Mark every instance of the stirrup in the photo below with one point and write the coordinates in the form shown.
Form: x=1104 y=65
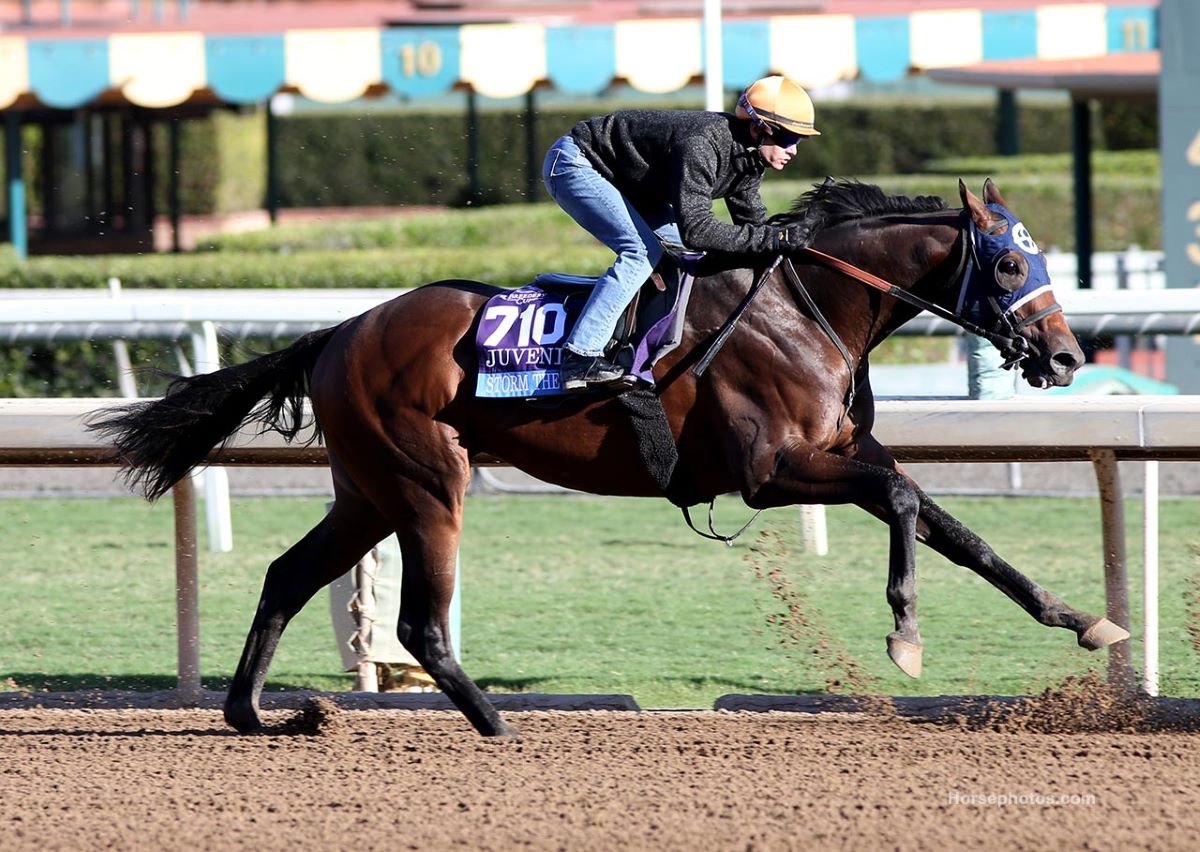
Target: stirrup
x=580 y=372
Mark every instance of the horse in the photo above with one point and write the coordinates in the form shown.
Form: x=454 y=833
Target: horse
x=782 y=415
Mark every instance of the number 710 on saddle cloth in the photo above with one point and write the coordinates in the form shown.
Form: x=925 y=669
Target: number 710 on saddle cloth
x=520 y=342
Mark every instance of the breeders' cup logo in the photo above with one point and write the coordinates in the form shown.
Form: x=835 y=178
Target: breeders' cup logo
x=1020 y=235
x=523 y=296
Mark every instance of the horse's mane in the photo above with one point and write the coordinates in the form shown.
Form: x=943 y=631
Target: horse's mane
x=836 y=201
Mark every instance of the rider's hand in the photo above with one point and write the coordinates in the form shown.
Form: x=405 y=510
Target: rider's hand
x=794 y=237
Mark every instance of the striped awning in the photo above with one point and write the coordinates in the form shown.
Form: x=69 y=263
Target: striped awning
x=162 y=69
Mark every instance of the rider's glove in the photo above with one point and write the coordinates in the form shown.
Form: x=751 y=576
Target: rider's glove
x=794 y=237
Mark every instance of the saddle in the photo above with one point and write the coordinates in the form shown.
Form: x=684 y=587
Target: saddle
x=520 y=334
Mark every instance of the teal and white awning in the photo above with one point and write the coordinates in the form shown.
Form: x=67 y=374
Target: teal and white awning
x=162 y=69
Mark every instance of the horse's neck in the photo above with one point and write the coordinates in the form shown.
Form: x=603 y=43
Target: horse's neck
x=860 y=316
x=917 y=254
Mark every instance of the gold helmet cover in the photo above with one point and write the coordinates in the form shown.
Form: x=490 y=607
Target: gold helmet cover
x=780 y=102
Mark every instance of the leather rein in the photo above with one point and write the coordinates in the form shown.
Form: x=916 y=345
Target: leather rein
x=1012 y=344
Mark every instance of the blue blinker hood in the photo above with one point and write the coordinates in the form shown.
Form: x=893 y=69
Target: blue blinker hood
x=982 y=300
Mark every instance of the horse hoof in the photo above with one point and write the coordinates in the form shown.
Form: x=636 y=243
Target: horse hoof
x=244 y=720
x=1102 y=634
x=905 y=654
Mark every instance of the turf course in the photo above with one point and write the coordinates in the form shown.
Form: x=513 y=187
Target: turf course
x=586 y=594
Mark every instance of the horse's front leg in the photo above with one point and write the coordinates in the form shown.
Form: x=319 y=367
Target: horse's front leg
x=808 y=476
x=944 y=533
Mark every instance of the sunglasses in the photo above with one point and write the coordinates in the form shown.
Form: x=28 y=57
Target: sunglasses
x=785 y=138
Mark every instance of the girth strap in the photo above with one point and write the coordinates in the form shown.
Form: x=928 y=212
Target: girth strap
x=656 y=444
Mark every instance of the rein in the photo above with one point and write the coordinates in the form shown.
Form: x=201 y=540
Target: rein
x=889 y=289
x=798 y=289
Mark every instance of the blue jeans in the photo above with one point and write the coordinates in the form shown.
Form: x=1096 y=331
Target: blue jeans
x=985 y=378
x=602 y=211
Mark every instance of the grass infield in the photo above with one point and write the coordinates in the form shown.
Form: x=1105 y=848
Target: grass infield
x=581 y=594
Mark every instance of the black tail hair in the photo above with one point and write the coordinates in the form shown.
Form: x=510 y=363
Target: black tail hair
x=158 y=442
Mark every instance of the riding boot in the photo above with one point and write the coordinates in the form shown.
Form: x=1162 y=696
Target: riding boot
x=579 y=372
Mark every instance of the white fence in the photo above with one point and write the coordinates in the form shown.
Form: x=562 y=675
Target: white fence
x=1102 y=430
x=200 y=315
x=1132 y=269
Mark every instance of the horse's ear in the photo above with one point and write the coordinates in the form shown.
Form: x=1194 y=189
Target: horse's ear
x=991 y=195
x=979 y=212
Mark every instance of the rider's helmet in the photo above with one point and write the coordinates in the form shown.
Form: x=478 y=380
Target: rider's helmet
x=779 y=104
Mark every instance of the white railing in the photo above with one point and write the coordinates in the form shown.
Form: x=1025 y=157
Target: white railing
x=201 y=316
x=1133 y=269
x=1100 y=429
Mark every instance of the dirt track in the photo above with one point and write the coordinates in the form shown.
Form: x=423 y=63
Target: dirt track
x=154 y=779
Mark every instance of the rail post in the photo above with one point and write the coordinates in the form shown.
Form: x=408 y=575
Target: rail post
x=1116 y=575
x=1150 y=578
x=187 y=592
x=814 y=536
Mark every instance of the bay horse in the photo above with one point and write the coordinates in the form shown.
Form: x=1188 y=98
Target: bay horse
x=782 y=417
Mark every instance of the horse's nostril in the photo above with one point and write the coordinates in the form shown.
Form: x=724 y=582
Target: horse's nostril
x=1066 y=361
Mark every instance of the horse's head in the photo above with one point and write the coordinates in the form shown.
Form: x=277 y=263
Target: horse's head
x=1006 y=289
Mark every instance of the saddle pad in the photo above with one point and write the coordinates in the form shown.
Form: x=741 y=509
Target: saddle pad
x=520 y=342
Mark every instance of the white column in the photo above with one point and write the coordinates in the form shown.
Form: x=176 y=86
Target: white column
x=125 y=379
x=1150 y=578
x=813 y=535
x=206 y=358
x=187 y=593
x=714 y=71
x=1116 y=575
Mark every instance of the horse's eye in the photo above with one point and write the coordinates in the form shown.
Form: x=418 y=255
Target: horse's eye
x=1009 y=267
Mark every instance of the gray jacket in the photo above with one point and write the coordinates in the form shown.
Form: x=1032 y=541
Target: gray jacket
x=686 y=160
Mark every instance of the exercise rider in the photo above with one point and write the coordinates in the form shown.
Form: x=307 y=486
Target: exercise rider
x=635 y=177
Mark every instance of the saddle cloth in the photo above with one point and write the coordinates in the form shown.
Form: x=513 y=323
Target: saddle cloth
x=521 y=331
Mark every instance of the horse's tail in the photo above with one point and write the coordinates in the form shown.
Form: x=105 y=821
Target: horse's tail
x=158 y=442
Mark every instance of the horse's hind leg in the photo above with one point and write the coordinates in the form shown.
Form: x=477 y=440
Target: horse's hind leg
x=429 y=529
x=329 y=550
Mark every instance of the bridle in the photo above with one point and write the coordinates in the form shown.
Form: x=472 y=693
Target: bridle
x=1005 y=333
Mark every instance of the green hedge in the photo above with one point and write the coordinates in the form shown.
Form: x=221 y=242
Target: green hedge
x=1127 y=209
x=224 y=163
x=1039 y=188
x=1132 y=164
x=407 y=159
x=410 y=158
x=507 y=244
x=407 y=267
